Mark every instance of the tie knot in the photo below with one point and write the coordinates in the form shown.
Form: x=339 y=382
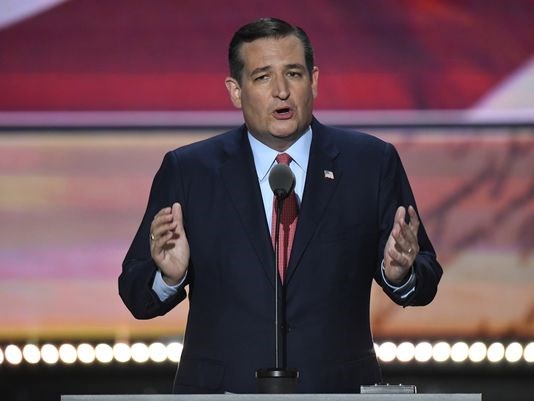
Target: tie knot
x=283 y=158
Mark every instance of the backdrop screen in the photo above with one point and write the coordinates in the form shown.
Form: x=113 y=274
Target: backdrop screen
x=70 y=203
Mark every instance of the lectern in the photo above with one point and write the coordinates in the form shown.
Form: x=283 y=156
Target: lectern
x=276 y=397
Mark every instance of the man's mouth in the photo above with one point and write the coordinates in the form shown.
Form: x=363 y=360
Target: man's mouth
x=283 y=113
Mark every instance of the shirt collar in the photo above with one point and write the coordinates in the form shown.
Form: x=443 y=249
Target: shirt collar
x=264 y=156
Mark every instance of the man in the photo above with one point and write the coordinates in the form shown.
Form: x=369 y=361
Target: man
x=208 y=224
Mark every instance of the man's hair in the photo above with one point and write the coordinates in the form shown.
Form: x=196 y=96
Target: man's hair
x=265 y=28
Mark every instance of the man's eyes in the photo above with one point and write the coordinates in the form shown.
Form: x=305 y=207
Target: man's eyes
x=290 y=74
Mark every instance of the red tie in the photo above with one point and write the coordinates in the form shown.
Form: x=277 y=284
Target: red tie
x=288 y=223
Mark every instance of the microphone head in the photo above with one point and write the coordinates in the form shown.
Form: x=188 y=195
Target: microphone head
x=281 y=180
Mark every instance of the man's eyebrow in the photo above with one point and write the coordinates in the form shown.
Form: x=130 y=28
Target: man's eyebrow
x=295 y=66
x=260 y=70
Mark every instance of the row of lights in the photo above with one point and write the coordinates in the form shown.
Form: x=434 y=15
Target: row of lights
x=159 y=352
x=458 y=352
x=87 y=353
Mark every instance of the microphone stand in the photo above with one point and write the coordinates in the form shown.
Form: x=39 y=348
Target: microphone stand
x=277 y=323
x=277 y=380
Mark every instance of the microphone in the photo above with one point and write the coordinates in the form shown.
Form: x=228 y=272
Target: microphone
x=281 y=180
x=279 y=379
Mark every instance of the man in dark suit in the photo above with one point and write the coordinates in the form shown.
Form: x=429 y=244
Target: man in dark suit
x=208 y=222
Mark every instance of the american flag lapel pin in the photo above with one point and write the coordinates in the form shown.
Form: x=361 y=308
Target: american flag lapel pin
x=328 y=174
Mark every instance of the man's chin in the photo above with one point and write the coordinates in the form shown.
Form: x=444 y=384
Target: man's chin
x=285 y=131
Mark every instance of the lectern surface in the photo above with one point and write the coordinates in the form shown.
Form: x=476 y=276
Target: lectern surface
x=276 y=397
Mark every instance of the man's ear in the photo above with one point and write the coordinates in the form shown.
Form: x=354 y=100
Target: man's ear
x=234 y=90
x=315 y=81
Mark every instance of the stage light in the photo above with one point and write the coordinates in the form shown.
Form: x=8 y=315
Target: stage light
x=387 y=351
x=174 y=351
x=495 y=352
x=513 y=352
x=157 y=352
x=13 y=354
x=67 y=353
x=405 y=352
x=86 y=353
x=49 y=354
x=459 y=352
x=122 y=352
x=31 y=353
x=477 y=352
x=103 y=353
x=441 y=351
x=140 y=352
x=1 y=356
x=528 y=352
x=423 y=352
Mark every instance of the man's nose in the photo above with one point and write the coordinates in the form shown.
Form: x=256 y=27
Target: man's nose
x=280 y=88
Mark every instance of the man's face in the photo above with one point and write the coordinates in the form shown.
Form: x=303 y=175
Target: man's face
x=276 y=92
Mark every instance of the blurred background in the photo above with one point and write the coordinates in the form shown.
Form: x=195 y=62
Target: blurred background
x=93 y=93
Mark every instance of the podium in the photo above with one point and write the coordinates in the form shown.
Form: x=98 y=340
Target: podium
x=275 y=397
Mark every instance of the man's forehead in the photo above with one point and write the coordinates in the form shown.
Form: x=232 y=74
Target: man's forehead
x=259 y=53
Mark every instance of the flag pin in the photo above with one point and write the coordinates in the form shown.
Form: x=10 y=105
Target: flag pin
x=328 y=174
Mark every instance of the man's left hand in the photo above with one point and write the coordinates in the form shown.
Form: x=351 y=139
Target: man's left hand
x=402 y=246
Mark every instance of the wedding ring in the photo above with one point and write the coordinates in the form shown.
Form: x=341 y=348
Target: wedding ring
x=152 y=238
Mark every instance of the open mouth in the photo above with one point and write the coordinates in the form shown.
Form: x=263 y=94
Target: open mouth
x=283 y=113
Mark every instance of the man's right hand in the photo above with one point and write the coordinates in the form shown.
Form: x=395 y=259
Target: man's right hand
x=169 y=247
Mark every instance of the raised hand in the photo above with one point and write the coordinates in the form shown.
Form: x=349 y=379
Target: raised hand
x=402 y=246
x=169 y=247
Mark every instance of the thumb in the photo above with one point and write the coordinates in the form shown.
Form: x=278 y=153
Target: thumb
x=177 y=216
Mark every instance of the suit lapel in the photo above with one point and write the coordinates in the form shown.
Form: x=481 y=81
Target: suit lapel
x=240 y=178
x=321 y=181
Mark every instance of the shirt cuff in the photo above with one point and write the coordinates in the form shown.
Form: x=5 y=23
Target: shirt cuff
x=163 y=290
x=405 y=290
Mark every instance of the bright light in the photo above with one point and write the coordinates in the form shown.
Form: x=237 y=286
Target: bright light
x=1 y=357
x=49 y=354
x=477 y=352
x=174 y=351
x=459 y=352
x=495 y=352
x=423 y=352
x=405 y=352
x=140 y=352
x=157 y=352
x=441 y=351
x=13 y=354
x=528 y=353
x=86 y=353
x=513 y=353
x=121 y=352
x=387 y=351
x=104 y=353
x=31 y=353
x=67 y=353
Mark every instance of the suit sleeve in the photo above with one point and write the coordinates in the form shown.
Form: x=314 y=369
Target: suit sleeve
x=138 y=268
x=395 y=191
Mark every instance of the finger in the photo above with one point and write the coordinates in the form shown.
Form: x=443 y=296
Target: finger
x=414 y=220
x=177 y=217
x=162 y=212
x=400 y=214
x=399 y=259
x=406 y=247
x=402 y=240
x=164 y=228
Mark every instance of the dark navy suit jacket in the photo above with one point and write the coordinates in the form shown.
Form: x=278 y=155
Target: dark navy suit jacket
x=342 y=229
